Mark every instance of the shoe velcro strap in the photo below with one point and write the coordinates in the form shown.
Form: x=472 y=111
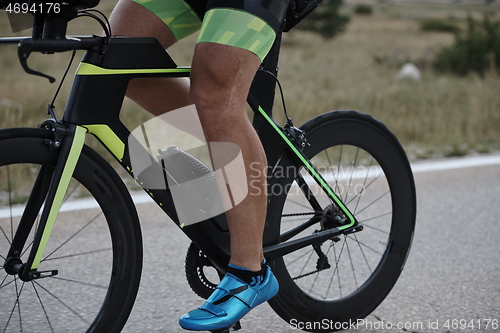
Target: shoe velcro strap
x=241 y=291
x=213 y=309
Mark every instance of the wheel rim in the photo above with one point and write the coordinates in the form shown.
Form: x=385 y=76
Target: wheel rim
x=80 y=248
x=360 y=182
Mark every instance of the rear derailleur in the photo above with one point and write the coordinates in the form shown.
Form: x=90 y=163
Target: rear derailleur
x=331 y=218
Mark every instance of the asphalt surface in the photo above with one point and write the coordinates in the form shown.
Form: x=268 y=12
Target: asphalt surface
x=450 y=282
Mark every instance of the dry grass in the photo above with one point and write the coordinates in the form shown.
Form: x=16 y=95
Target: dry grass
x=437 y=115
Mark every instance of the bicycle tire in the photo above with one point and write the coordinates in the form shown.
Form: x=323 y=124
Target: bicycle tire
x=99 y=258
x=364 y=266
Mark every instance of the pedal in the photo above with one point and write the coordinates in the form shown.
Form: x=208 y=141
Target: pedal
x=235 y=327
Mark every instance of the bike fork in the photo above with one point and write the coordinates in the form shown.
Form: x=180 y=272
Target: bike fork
x=50 y=186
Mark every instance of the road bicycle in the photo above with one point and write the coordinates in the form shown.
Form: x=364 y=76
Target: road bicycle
x=341 y=200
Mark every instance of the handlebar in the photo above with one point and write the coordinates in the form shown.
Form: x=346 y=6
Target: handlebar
x=49 y=33
x=27 y=45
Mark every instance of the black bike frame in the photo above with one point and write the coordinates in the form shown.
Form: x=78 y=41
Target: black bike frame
x=95 y=103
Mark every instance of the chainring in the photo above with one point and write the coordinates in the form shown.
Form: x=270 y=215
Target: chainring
x=196 y=266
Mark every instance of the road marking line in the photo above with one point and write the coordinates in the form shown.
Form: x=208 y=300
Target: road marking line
x=457 y=163
x=141 y=198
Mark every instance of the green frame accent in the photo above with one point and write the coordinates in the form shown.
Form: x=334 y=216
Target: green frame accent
x=311 y=171
x=89 y=69
x=108 y=138
x=69 y=168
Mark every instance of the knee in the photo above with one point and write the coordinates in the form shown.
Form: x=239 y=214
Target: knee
x=215 y=104
x=209 y=91
x=218 y=115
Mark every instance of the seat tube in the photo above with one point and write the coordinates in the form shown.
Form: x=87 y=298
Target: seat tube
x=71 y=148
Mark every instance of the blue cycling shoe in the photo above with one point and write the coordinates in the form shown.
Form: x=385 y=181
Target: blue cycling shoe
x=231 y=300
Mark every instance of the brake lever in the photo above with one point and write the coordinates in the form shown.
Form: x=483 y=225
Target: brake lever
x=24 y=50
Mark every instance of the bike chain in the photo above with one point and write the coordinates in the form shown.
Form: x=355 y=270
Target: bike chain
x=310 y=273
x=300 y=214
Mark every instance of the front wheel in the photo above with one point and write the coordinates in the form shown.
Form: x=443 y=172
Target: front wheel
x=325 y=286
x=95 y=245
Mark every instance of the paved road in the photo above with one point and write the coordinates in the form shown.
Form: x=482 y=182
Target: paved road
x=452 y=272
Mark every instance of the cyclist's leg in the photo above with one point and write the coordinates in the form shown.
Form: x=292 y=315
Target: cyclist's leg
x=129 y=18
x=220 y=80
x=234 y=39
x=229 y=51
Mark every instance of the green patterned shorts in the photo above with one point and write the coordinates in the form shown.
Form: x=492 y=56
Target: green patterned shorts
x=223 y=25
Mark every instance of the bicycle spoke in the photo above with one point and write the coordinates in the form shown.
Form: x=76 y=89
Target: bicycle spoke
x=80 y=254
x=374 y=201
x=366 y=246
x=27 y=248
x=16 y=305
x=2 y=285
x=336 y=271
x=307 y=261
x=300 y=204
x=317 y=274
x=6 y=237
x=352 y=265
x=299 y=257
x=74 y=235
x=372 y=227
x=363 y=187
x=18 y=301
x=352 y=172
x=374 y=218
x=8 y=283
x=80 y=282
x=43 y=307
x=69 y=193
x=338 y=169
x=306 y=191
x=363 y=253
x=63 y=303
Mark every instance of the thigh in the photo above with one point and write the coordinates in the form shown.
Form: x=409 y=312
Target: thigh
x=166 y=20
x=235 y=37
x=221 y=76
